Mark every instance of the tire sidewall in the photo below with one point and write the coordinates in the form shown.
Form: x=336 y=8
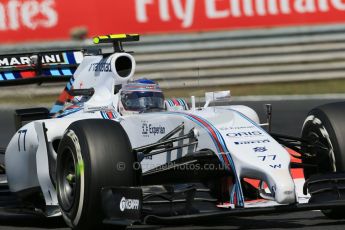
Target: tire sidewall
x=317 y=123
x=98 y=145
x=327 y=122
x=71 y=140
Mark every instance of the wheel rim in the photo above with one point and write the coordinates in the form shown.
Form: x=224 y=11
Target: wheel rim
x=320 y=135
x=67 y=180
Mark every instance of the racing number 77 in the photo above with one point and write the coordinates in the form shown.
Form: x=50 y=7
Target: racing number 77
x=19 y=139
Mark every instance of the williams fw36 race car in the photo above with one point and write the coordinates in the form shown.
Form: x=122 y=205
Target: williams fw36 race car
x=114 y=151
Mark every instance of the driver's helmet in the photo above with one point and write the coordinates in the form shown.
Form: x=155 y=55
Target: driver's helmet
x=141 y=96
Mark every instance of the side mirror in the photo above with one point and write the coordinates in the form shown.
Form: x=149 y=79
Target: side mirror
x=220 y=96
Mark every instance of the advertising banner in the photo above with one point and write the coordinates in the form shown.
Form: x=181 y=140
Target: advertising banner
x=36 y=20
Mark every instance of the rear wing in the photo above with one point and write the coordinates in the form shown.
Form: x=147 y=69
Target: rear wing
x=28 y=68
x=116 y=40
x=55 y=66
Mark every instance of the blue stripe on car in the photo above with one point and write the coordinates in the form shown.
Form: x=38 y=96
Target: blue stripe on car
x=55 y=72
x=70 y=57
x=9 y=76
x=56 y=108
x=67 y=72
x=238 y=189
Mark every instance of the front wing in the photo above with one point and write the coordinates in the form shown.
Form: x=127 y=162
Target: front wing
x=189 y=204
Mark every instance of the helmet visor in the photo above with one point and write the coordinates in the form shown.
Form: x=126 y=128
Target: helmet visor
x=141 y=101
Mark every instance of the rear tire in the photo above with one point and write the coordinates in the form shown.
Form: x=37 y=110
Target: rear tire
x=87 y=161
x=327 y=125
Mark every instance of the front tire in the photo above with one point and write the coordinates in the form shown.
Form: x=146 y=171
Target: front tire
x=326 y=125
x=88 y=158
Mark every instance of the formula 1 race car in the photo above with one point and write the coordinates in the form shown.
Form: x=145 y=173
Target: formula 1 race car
x=115 y=151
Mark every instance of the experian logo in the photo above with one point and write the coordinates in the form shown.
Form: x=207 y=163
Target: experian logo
x=129 y=204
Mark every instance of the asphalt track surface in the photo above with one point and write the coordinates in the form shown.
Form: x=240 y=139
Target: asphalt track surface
x=287 y=118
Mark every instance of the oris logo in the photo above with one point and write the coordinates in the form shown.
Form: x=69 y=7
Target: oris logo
x=245 y=134
x=129 y=204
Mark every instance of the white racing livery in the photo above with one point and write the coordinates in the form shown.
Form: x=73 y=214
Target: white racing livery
x=116 y=149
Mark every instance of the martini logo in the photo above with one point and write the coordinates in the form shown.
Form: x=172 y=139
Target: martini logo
x=14 y=61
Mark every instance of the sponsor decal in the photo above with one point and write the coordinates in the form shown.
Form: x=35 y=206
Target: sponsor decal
x=252 y=142
x=244 y=134
x=236 y=128
x=25 y=20
x=99 y=108
x=129 y=204
x=16 y=15
x=25 y=60
x=15 y=61
x=148 y=129
x=100 y=67
x=188 y=13
x=54 y=58
x=260 y=149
